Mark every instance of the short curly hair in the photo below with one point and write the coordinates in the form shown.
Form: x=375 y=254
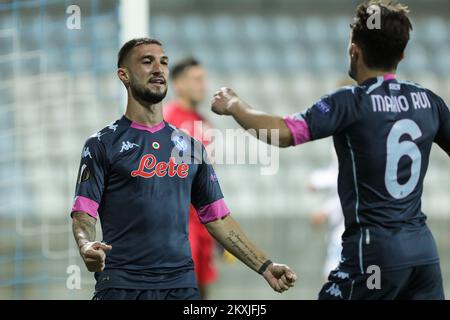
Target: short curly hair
x=382 y=48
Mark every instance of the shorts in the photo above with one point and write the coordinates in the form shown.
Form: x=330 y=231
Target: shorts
x=153 y=294
x=413 y=283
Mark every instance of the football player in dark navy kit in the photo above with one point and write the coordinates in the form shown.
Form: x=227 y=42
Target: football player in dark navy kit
x=383 y=129
x=138 y=176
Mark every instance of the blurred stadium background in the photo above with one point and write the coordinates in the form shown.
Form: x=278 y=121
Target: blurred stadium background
x=58 y=86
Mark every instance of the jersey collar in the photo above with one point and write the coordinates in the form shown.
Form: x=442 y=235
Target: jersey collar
x=144 y=127
x=379 y=79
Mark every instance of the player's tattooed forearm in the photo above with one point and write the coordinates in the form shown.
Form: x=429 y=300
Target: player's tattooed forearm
x=244 y=250
x=83 y=228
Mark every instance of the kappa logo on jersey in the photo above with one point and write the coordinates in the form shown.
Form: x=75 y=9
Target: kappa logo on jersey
x=334 y=290
x=86 y=153
x=113 y=127
x=323 y=106
x=341 y=275
x=99 y=135
x=149 y=167
x=213 y=177
x=127 y=145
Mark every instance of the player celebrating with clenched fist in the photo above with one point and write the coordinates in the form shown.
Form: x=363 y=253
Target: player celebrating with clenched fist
x=138 y=176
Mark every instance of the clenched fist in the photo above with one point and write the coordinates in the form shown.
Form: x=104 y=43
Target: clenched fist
x=224 y=101
x=280 y=277
x=94 y=255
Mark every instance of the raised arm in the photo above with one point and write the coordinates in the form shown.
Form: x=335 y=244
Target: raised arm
x=228 y=233
x=93 y=252
x=227 y=102
x=443 y=135
x=329 y=116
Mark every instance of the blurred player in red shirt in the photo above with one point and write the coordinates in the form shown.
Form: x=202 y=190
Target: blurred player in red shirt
x=189 y=82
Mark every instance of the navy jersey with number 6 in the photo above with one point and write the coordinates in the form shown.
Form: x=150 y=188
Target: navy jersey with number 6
x=140 y=181
x=383 y=131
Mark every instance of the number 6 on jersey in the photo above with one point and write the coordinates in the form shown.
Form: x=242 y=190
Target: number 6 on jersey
x=395 y=151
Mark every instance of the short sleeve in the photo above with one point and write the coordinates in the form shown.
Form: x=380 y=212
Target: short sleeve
x=206 y=195
x=443 y=135
x=91 y=178
x=329 y=116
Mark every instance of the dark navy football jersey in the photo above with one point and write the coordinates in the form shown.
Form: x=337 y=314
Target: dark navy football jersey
x=140 y=181
x=383 y=131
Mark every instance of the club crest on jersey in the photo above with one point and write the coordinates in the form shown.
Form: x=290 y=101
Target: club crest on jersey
x=180 y=143
x=149 y=167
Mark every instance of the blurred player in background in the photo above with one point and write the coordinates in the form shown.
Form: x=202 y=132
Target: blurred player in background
x=325 y=180
x=139 y=175
x=189 y=81
x=383 y=131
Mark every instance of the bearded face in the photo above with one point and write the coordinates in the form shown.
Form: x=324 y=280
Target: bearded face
x=151 y=91
x=145 y=73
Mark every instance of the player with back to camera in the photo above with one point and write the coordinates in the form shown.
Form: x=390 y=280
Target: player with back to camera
x=138 y=176
x=383 y=129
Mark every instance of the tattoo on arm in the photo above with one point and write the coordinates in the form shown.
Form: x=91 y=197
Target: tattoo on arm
x=83 y=226
x=246 y=253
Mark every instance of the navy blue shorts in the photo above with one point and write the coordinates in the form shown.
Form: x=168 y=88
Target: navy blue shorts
x=154 y=294
x=415 y=283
